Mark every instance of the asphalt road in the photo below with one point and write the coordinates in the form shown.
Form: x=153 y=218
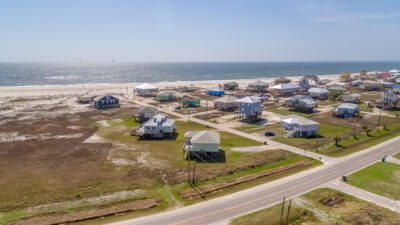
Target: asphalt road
x=225 y=208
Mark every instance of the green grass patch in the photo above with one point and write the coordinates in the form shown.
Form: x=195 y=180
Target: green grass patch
x=345 y=146
x=311 y=209
x=363 y=107
x=379 y=178
x=287 y=112
x=397 y=156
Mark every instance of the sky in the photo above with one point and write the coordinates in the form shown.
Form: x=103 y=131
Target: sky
x=188 y=30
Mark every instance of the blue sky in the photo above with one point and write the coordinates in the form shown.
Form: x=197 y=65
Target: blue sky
x=215 y=30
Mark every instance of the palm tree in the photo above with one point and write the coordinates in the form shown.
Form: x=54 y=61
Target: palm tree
x=337 y=138
x=367 y=129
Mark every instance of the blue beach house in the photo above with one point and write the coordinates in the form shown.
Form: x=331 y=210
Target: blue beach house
x=249 y=107
x=106 y=102
x=216 y=92
x=346 y=110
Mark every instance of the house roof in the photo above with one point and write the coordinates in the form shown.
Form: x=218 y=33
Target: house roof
x=354 y=95
x=258 y=83
x=286 y=86
x=318 y=90
x=347 y=106
x=303 y=99
x=160 y=120
x=227 y=99
x=146 y=86
x=295 y=119
x=104 y=97
x=249 y=99
x=147 y=109
x=203 y=137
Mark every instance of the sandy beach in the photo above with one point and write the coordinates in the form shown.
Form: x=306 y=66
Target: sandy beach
x=123 y=89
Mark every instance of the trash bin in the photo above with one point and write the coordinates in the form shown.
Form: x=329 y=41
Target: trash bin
x=383 y=159
x=344 y=178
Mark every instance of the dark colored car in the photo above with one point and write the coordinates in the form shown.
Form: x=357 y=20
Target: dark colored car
x=269 y=133
x=178 y=107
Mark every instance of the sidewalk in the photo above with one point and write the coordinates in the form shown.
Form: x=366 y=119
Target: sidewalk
x=393 y=160
x=365 y=195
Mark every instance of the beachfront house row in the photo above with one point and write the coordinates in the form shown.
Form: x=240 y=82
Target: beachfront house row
x=301 y=103
x=145 y=113
x=106 y=102
x=346 y=110
x=318 y=93
x=226 y=103
x=249 y=107
x=286 y=89
x=146 y=89
x=165 y=96
x=258 y=86
x=298 y=126
x=160 y=126
x=352 y=98
x=202 y=144
x=231 y=86
x=390 y=98
x=215 y=92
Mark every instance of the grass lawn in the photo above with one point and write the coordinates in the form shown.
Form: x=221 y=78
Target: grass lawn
x=326 y=134
x=329 y=127
x=379 y=178
x=287 y=112
x=363 y=107
x=328 y=103
x=254 y=127
x=311 y=209
x=397 y=156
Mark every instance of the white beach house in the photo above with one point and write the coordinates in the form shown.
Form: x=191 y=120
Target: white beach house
x=298 y=126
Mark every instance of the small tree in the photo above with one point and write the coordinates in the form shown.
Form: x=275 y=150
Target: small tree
x=333 y=95
x=367 y=129
x=337 y=138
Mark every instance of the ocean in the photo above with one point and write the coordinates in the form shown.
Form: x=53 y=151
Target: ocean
x=34 y=74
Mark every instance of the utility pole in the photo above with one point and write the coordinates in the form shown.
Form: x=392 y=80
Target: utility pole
x=317 y=138
x=194 y=170
x=188 y=159
x=283 y=207
x=379 y=120
x=189 y=114
x=287 y=216
x=207 y=111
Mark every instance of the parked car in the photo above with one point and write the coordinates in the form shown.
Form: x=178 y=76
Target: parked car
x=178 y=107
x=269 y=133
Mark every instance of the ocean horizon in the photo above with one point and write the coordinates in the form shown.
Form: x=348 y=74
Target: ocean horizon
x=37 y=74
